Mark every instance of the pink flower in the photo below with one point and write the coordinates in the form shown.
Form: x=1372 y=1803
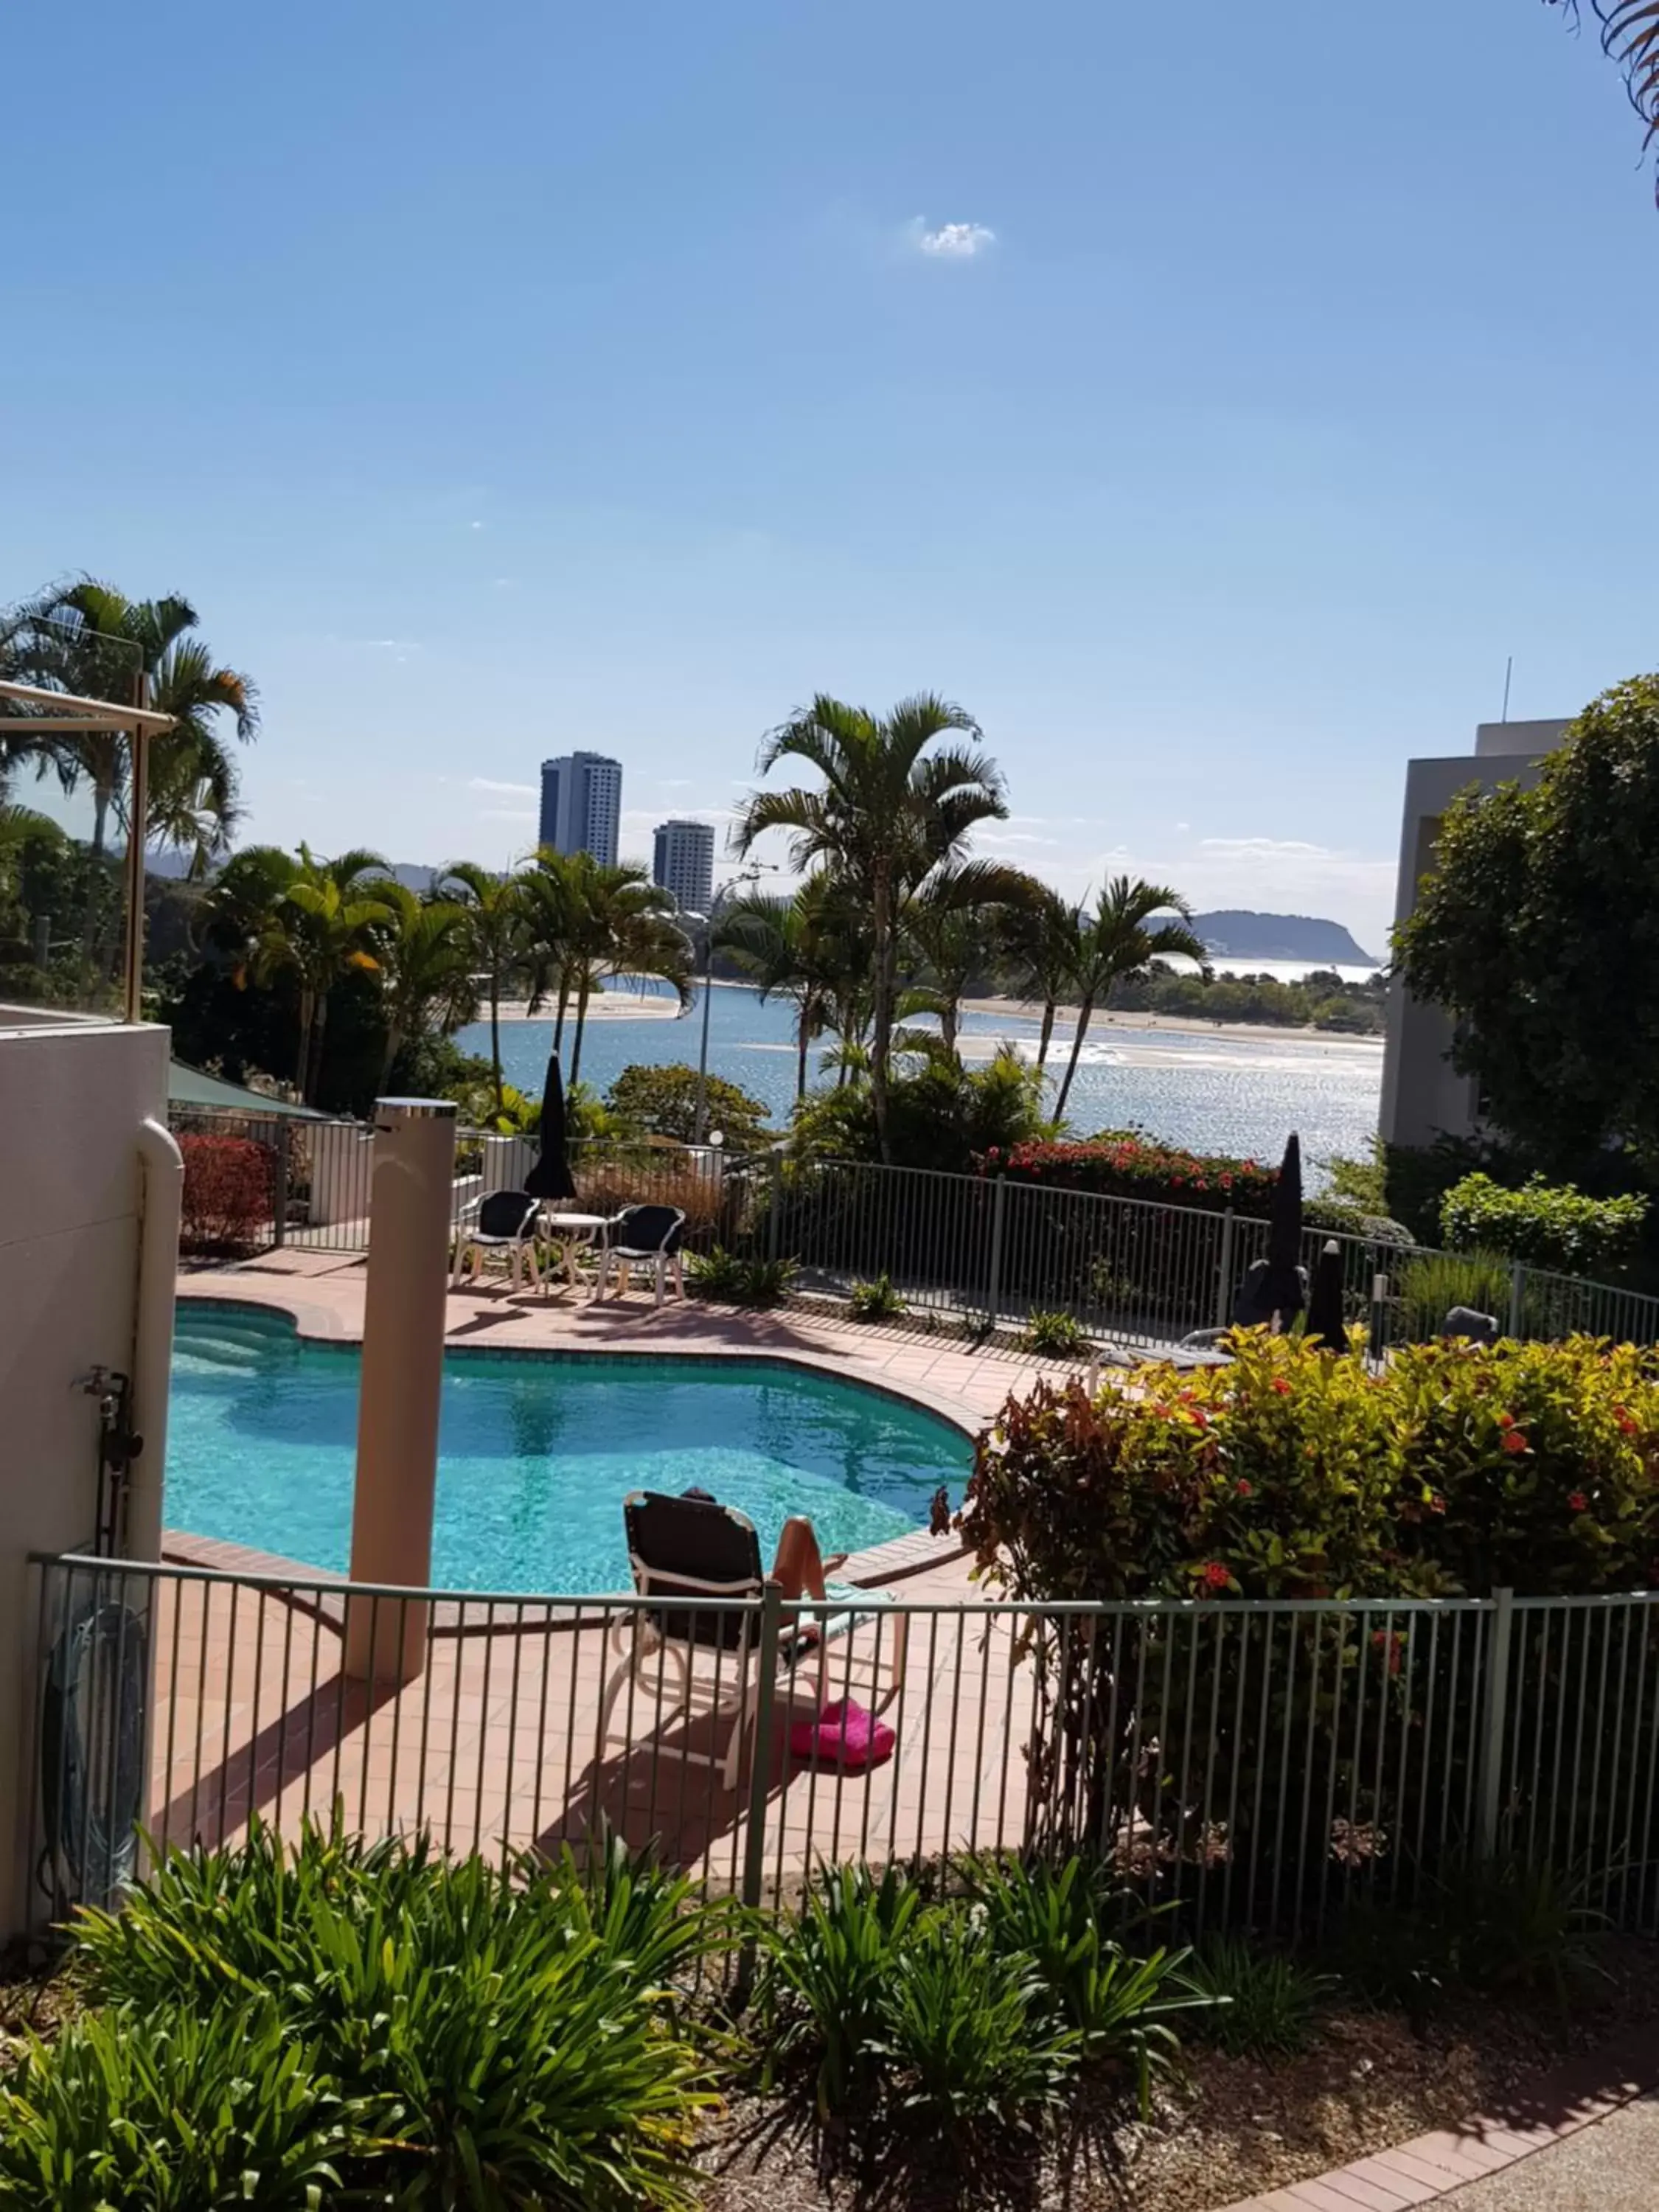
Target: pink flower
x=1216 y=1575
x=1244 y=1489
x=1578 y=1503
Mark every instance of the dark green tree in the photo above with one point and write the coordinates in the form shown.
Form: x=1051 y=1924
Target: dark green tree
x=1539 y=931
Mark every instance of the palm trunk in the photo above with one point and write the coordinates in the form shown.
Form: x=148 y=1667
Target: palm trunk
x=581 y=1020
x=1084 y=1013
x=563 y=1002
x=495 y=1032
x=949 y=1015
x=803 y=1039
x=1047 y=1036
x=319 y=1030
x=302 y=1058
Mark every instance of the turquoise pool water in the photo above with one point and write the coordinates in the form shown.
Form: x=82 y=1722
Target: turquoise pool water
x=535 y=1454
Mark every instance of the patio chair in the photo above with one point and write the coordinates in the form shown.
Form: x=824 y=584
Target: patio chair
x=707 y=1555
x=700 y=1654
x=502 y=1222
x=647 y=1234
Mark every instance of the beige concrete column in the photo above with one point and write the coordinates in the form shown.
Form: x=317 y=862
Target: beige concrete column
x=412 y=1181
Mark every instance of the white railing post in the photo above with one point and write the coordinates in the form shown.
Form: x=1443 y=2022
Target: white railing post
x=1224 y=1289
x=1495 y=1712
x=993 y=1271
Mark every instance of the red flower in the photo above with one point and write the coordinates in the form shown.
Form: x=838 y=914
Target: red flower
x=1514 y=1441
x=1436 y=1503
x=1578 y=1503
x=1281 y=1386
x=1216 y=1575
x=1244 y=1489
x=1198 y=1414
x=1506 y=1420
x=1627 y=1422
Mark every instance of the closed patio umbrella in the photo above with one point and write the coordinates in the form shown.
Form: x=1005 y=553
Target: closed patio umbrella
x=1325 y=1318
x=550 y=1176
x=1283 y=1290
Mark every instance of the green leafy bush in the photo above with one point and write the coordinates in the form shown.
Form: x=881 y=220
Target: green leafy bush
x=826 y=1976
x=1059 y=1335
x=664 y=1099
x=1263 y=2005
x=966 y=2032
x=173 y=2111
x=514 y=2022
x=1552 y=1225
x=1431 y=1284
x=730 y=1279
x=941 y=1115
x=874 y=1301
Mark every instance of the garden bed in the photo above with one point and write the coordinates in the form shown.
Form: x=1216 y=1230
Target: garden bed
x=1228 y=2128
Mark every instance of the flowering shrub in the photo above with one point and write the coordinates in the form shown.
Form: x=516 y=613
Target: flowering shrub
x=1287 y=1474
x=1137 y=1167
x=1546 y=1225
x=229 y=1184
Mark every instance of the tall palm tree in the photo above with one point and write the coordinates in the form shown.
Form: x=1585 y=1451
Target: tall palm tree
x=792 y=948
x=548 y=891
x=319 y=928
x=1121 y=936
x=1630 y=36
x=88 y=638
x=423 y=949
x=888 y=813
x=621 y=924
x=1042 y=939
x=955 y=927
x=496 y=916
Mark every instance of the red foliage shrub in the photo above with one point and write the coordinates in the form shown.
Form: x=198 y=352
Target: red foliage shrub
x=228 y=1194
x=1138 y=1167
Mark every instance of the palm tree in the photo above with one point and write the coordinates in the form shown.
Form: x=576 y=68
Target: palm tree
x=1123 y=937
x=955 y=928
x=548 y=889
x=423 y=949
x=1630 y=36
x=621 y=924
x=319 y=928
x=495 y=908
x=792 y=948
x=1043 y=938
x=88 y=638
x=889 y=812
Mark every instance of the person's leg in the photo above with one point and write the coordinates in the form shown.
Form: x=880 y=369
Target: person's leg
x=800 y=1567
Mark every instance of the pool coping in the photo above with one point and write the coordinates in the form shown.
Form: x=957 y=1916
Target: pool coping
x=895 y=1559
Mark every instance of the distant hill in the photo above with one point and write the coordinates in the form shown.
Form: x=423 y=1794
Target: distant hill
x=1243 y=936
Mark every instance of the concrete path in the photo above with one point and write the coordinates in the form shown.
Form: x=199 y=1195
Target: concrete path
x=1612 y=2166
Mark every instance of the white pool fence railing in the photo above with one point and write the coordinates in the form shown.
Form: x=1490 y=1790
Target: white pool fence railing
x=1269 y=1766
x=986 y=1253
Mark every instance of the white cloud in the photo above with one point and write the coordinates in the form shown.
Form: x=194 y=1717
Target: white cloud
x=509 y=790
x=951 y=242
x=475 y=525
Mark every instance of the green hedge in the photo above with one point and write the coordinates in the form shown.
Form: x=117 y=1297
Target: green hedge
x=1552 y=1225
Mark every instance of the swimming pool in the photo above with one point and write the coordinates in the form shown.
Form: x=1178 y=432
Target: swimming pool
x=536 y=1452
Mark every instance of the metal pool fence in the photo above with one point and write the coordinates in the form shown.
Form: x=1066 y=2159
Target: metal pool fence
x=987 y=1252
x=1247 y=1765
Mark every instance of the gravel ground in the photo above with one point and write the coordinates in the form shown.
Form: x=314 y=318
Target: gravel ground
x=1612 y=2166
x=1235 y=2128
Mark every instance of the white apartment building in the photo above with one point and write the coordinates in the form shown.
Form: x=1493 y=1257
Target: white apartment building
x=581 y=805
x=683 y=863
x=1424 y=1096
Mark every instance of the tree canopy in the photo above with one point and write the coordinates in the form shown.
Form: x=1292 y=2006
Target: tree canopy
x=1539 y=930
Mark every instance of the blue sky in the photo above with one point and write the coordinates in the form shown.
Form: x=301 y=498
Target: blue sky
x=502 y=380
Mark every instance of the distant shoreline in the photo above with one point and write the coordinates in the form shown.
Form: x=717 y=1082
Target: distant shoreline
x=1177 y=1024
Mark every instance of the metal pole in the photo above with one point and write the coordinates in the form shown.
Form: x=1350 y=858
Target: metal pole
x=1517 y=1300
x=1224 y=1288
x=137 y=830
x=1496 y=1713
x=279 y=1195
x=993 y=1274
x=760 y=1770
x=700 y=1129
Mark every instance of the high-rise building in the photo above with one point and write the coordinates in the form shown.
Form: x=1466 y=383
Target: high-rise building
x=684 y=863
x=581 y=805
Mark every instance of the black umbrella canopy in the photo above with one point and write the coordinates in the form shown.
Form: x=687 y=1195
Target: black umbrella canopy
x=550 y=1177
x=1282 y=1292
x=1325 y=1317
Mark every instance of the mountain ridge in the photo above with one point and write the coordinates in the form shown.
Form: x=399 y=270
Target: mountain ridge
x=1240 y=933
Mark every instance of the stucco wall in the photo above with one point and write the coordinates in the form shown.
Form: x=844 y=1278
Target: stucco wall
x=72 y=1096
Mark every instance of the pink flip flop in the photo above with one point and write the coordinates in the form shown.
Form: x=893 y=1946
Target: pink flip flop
x=843 y=1735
